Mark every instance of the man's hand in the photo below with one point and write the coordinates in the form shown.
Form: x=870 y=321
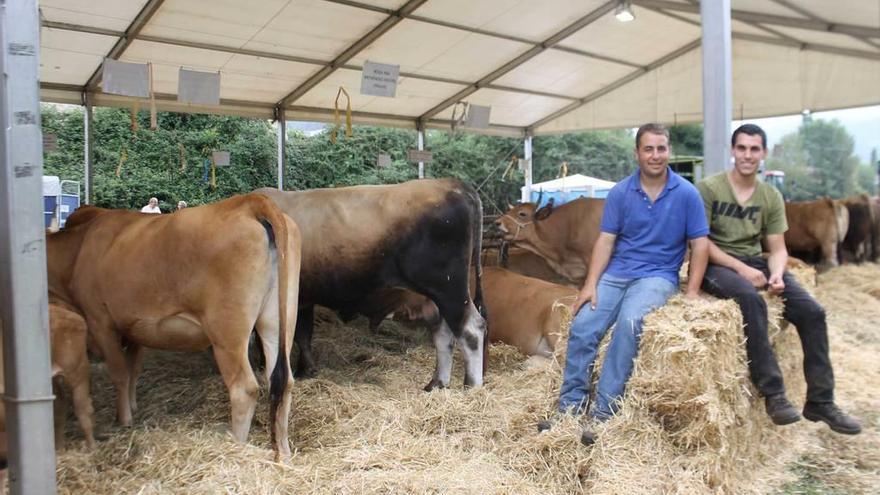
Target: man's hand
x=755 y=276
x=777 y=285
x=587 y=294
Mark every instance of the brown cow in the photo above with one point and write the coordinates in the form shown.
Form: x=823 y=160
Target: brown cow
x=563 y=236
x=816 y=226
x=67 y=334
x=858 y=244
x=421 y=235
x=205 y=276
x=519 y=260
x=524 y=312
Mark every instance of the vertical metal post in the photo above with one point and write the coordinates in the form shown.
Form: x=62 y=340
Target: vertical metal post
x=282 y=144
x=88 y=149
x=421 y=131
x=527 y=171
x=23 y=288
x=717 y=85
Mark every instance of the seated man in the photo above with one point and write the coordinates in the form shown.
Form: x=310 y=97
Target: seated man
x=742 y=212
x=648 y=220
x=152 y=207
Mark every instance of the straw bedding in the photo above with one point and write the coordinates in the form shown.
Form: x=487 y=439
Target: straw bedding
x=690 y=422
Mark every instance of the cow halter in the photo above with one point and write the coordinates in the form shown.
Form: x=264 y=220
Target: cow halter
x=519 y=226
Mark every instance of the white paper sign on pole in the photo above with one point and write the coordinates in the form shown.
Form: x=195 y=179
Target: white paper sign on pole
x=126 y=79
x=477 y=116
x=383 y=160
x=198 y=87
x=379 y=79
x=221 y=158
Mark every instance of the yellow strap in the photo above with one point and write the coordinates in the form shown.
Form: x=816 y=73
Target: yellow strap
x=213 y=173
x=154 y=122
x=123 y=156
x=135 y=108
x=348 y=132
x=563 y=170
x=182 y=156
x=509 y=170
x=464 y=108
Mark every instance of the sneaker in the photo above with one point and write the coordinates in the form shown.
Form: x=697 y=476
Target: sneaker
x=838 y=420
x=588 y=437
x=780 y=409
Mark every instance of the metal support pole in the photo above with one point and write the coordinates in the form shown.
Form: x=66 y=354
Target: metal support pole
x=23 y=288
x=421 y=131
x=88 y=175
x=527 y=171
x=282 y=144
x=717 y=85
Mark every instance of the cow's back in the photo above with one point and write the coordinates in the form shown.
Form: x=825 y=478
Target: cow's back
x=810 y=224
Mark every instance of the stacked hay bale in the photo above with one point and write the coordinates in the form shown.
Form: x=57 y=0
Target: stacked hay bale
x=690 y=422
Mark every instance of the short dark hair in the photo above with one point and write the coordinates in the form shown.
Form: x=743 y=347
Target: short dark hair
x=751 y=130
x=653 y=128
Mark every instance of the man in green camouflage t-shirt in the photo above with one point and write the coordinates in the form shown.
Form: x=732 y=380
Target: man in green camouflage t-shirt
x=742 y=212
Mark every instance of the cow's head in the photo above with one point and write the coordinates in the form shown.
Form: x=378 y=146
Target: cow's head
x=518 y=222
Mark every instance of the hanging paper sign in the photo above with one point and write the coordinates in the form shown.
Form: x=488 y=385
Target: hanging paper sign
x=379 y=79
x=198 y=87
x=477 y=117
x=50 y=142
x=383 y=160
x=220 y=158
x=416 y=156
x=126 y=79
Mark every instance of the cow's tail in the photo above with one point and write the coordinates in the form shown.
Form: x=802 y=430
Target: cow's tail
x=476 y=252
x=873 y=217
x=268 y=212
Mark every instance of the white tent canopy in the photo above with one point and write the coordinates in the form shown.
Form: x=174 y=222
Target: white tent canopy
x=544 y=67
x=576 y=181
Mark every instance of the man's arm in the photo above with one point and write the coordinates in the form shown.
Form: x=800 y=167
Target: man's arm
x=776 y=262
x=598 y=261
x=753 y=275
x=697 y=266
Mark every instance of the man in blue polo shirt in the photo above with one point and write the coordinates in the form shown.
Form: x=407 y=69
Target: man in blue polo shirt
x=648 y=221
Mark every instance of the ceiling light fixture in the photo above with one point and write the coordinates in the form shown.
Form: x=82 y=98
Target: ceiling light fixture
x=623 y=12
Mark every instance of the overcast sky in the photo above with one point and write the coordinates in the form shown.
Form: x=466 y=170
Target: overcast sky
x=863 y=124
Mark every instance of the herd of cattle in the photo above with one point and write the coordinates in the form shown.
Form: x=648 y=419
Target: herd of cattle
x=210 y=276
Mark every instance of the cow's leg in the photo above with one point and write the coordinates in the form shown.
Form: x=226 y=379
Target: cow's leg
x=305 y=322
x=443 y=344
x=78 y=378
x=268 y=331
x=470 y=342
x=108 y=342
x=59 y=411
x=242 y=385
x=829 y=253
x=134 y=356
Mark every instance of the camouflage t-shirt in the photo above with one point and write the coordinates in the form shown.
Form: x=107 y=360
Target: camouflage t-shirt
x=738 y=229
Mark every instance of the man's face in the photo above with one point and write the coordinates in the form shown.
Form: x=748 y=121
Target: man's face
x=653 y=154
x=154 y=202
x=748 y=151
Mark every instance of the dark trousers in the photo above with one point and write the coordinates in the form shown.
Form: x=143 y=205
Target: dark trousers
x=800 y=309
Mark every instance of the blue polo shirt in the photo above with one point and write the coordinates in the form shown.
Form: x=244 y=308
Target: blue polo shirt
x=652 y=237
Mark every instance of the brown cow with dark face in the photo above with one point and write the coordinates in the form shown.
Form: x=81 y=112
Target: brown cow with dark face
x=816 y=226
x=205 y=276
x=563 y=236
x=421 y=235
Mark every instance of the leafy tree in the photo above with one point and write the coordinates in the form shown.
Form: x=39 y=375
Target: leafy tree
x=686 y=139
x=603 y=154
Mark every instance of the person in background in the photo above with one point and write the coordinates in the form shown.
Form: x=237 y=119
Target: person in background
x=152 y=207
x=181 y=205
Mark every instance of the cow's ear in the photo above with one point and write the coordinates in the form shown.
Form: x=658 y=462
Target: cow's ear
x=544 y=211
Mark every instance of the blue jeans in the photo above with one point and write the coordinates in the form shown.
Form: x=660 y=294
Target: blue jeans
x=623 y=302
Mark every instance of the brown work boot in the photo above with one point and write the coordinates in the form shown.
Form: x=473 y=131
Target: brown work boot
x=838 y=420
x=780 y=409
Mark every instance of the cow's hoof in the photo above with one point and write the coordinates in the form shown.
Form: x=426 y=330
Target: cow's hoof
x=434 y=384
x=305 y=373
